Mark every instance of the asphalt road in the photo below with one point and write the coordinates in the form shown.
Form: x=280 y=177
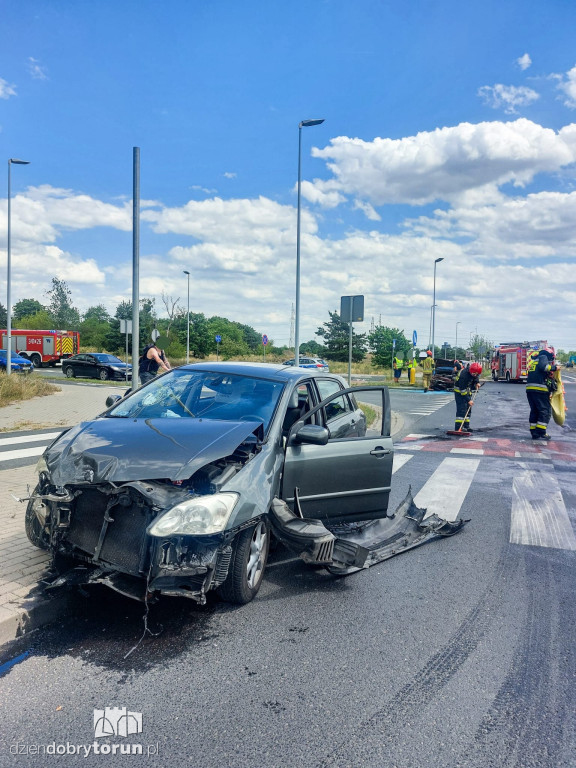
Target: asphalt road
x=458 y=654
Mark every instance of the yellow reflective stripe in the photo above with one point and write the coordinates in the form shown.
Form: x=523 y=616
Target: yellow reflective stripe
x=537 y=387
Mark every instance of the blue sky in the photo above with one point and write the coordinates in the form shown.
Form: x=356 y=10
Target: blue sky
x=449 y=133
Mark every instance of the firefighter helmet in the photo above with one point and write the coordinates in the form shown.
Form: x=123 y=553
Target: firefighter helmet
x=429 y=353
x=475 y=369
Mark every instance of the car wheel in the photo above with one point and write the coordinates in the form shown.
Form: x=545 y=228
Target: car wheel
x=249 y=555
x=69 y=371
x=508 y=376
x=34 y=528
x=103 y=374
x=36 y=361
x=494 y=376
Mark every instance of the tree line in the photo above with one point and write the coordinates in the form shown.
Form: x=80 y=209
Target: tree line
x=101 y=330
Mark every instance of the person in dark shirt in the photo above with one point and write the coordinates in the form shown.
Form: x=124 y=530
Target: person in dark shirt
x=538 y=390
x=152 y=358
x=464 y=385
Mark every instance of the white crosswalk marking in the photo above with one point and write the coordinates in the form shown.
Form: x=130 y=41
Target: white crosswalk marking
x=43 y=439
x=45 y=436
x=429 y=406
x=444 y=492
x=22 y=453
x=539 y=515
x=399 y=460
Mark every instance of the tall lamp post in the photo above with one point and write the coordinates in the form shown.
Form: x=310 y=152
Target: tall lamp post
x=456 y=345
x=12 y=161
x=303 y=124
x=434 y=304
x=188 y=320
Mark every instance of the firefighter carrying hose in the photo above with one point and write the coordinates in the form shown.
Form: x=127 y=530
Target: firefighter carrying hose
x=467 y=382
x=539 y=384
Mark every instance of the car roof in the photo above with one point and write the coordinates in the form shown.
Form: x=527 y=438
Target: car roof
x=260 y=370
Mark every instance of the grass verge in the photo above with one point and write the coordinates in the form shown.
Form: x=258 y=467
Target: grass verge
x=15 y=388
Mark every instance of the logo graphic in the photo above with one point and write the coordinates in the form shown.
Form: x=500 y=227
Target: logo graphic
x=116 y=721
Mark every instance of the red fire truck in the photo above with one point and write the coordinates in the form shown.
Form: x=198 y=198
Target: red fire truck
x=510 y=360
x=43 y=347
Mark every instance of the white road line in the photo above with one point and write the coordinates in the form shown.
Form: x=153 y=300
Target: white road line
x=28 y=438
x=470 y=451
x=539 y=516
x=408 y=446
x=445 y=491
x=399 y=460
x=23 y=453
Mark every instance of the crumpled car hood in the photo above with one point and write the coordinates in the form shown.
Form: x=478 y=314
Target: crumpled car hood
x=121 y=450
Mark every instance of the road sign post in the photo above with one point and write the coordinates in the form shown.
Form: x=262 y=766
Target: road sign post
x=264 y=342
x=217 y=339
x=413 y=365
x=351 y=311
x=126 y=327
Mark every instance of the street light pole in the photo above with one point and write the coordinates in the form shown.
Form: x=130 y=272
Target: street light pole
x=188 y=320
x=434 y=304
x=303 y=124
x=456 y=345
x=12 y=161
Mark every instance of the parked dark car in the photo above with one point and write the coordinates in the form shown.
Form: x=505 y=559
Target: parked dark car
x=309 y=362
x=18 y=364
x=96 y=365
x=177 y=488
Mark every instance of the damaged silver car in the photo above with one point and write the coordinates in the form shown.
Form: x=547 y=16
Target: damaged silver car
x=178 y=487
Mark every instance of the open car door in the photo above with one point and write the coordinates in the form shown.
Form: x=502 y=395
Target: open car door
x=348 y=478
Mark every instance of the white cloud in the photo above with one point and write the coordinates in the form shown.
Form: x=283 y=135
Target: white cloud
x=6 y=90
x=567 y=86
x=541 y=225
x=229 y=175
x=322 y=193
x=367 y=210
x=445 y=163
x=524 y=61
x=507 y=97
x=37 y=71
x=240 y=221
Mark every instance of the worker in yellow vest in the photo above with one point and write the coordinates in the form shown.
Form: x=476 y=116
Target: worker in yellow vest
x=427 y=367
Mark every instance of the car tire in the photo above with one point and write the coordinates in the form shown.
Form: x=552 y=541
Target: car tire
x=34 y=530
x=494 y=376
x=36 y=361
x=508 y=376
x=103 y=374
x=69 y=372
x=247 y=564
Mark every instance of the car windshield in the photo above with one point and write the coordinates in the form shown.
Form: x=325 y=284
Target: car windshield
x=102 y=358
x=203 y=395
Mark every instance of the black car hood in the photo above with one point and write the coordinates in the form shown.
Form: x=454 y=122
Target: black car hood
x=120 y=450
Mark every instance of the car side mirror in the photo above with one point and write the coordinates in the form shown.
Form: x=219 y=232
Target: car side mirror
x=112 y=399
x=312 y=434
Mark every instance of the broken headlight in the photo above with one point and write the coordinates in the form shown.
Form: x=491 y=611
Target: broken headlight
x=196 y=517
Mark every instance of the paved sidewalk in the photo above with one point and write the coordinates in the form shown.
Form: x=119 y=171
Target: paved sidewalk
x=22 y=607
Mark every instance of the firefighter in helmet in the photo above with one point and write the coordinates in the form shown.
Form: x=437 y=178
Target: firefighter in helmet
x=467 y=382
x=427 y=367
x=538 y=391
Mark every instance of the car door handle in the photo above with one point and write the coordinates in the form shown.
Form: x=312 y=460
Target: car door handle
x=379 y=451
